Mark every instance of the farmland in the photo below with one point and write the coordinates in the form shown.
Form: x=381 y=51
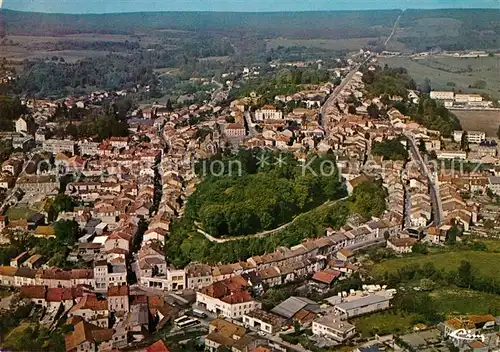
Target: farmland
x=486 y=121
x=480 y=261
x=455 y=301
x=447 y=73
x=326 y=44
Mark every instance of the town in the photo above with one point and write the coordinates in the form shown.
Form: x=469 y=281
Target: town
x=304 y=205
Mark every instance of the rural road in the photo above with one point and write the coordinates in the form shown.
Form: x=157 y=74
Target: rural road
x=394 y=28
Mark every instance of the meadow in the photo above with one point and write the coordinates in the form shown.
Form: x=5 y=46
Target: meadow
x=480 y=261
x=448 y=73
x=486 y=121
x=352 y=44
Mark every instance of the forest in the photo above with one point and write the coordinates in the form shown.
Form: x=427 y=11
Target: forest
x=270 y=190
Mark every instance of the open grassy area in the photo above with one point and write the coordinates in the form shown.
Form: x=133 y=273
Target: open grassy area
x=483 y=262
x=485 y=121
x=455 y=301
x=328 y=44
x=18 y=213
x=13 y=334
x=462 y=72
x=383 y=323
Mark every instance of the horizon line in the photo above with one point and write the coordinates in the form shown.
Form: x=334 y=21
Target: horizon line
x=247 y=12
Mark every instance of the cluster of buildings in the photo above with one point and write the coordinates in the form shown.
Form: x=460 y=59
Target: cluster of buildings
x=460 y=100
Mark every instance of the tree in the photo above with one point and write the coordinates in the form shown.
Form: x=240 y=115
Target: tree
x=66 y=231
x=453 y=233
x=62 y=203
x=420 y=248
x=426 y=87
x=498 y=132
x=465 y=274
x=373 y=111
x=421 y=147
x=351 y=109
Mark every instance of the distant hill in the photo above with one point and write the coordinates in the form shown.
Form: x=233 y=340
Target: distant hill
x=300 y=25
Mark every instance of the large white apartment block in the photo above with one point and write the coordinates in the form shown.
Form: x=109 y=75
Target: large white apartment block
x=56 y=146
x=442 y=95
x=475 y=137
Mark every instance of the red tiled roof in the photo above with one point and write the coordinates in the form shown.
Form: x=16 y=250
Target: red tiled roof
x=326 y=276
x=158 y=346
x=59 y=294
x=33 y=291
x=114 y=291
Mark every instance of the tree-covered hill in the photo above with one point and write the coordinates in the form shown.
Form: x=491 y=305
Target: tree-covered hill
x=271 y=189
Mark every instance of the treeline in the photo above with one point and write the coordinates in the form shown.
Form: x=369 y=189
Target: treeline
x=432 y=115
x=388 y=81
x=259 y=190
x=10 y=109
x=100 y=45
x=185 y=245
x=96 y=127
x=390 y=149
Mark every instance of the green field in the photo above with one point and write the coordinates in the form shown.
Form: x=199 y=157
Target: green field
x=462 y=72
x=353 y=44
x=456 y=301
x=480 y=261
x=485 y=121
x=383 y=323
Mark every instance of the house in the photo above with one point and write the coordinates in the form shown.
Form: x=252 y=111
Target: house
x=355 y=182
x=158 y=346
x=35 y=293
x=7 y=275
x=118 y=240
x=198 y=276
x=82 y=277
x=24 y=124
x=33 y=262
x=230 y=298
x=325 y=278
x=44 y=231
x=363 y=305
x=344 y=254
x=235 y=130
x=91 y=309
x=332 y=327
x=38 y=183
x=35 y=220
x=87 y=337
x=118 y=298
x=264 y=321
x=24 y=277
x=155 y=234
x=475 y=137
x=223 y=334
x=18 y=260
x=101 y=275
x=401 y=245
x=471 y=323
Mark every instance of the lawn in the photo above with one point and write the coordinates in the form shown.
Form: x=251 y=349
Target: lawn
x=455 y=301
x=481 y=261
x=14 y=333
x=18 y=213
x=445 y=71
x=383 y=323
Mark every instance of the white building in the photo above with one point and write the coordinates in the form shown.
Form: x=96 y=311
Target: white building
x=56 y=146
x=364 y=305
x=475 y=136
x=229 y=298
x=333 y=328
x=442 y=95
x=268 y=112
x=451 y=154
x=457 y=136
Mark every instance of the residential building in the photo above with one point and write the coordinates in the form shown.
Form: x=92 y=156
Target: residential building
x=332 y=327
x=38 y=183
x=264 y=321
x=268 y=112
x=118 y=298
x=401 y=245
x=56 y=146
x=235 y=130
x=230 y=298
x=475 y=136
x=198 y=276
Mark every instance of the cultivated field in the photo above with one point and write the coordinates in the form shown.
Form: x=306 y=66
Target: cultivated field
x=328 y=44
x=486 y=121
x=480 y=261
x=71 y=56
x=457 y=301
x=448 y=73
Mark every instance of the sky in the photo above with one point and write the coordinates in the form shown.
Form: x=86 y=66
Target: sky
x=113 y=6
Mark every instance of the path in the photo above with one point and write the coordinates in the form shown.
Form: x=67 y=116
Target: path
x=263 y=233
x=393 y=28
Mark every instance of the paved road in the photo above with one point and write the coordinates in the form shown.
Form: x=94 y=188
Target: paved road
x=433 y=185
x=394 y=28
x=333 y=97
x=251 y=126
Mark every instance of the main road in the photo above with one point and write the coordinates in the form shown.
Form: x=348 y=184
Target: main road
x=437 y=208
x=338 y=89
